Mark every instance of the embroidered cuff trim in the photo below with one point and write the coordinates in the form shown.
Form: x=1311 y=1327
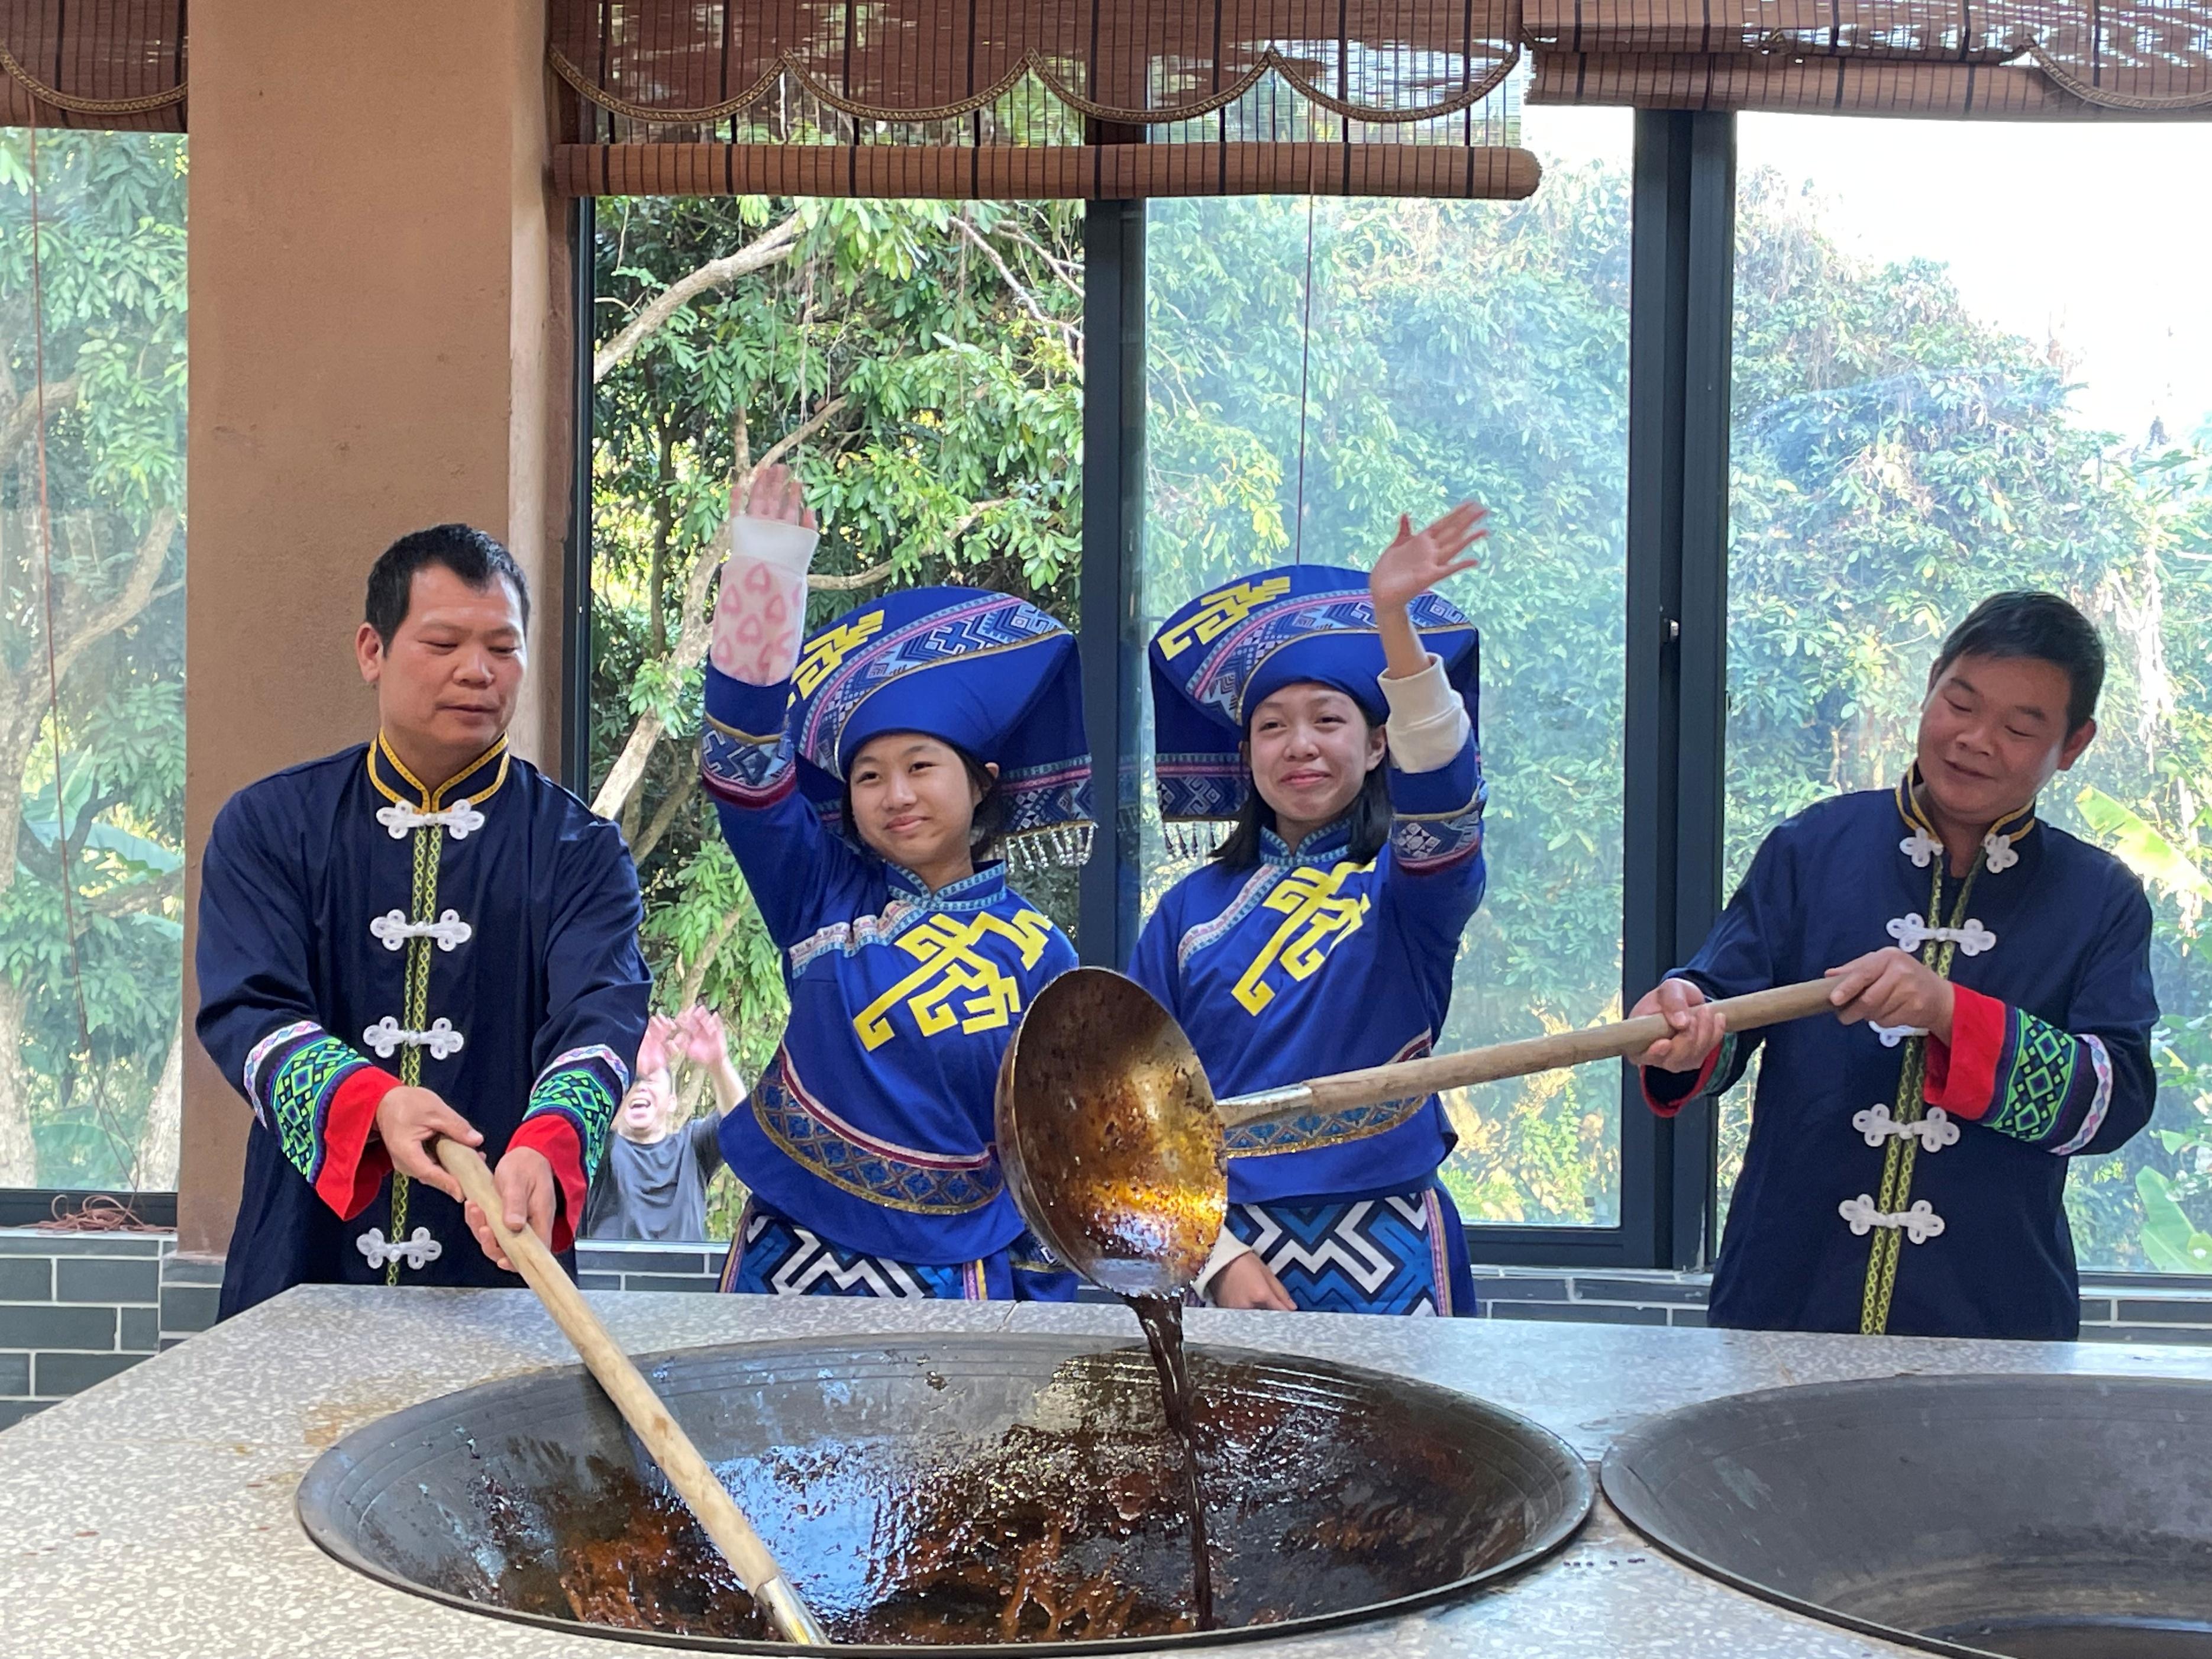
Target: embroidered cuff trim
x=2100 y=1060
x=1962 y=1073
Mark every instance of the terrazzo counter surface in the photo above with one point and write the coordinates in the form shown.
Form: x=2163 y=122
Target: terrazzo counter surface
x=153 y=1514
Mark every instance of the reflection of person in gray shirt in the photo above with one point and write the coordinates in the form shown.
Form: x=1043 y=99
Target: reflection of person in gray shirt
x=652 y=1182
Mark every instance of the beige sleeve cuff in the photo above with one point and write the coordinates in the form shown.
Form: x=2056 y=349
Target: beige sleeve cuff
x=1428 y=722
x=1226 y=1249
x=788 y=547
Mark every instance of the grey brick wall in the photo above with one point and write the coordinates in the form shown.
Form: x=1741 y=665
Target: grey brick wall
x=75 y=1309
x=2115 y=1307
x=610 y=1267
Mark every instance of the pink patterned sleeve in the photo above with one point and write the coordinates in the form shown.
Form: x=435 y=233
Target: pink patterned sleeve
x=760 y=613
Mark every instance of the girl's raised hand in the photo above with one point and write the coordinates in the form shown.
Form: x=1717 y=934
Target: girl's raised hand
x=776 y=494
x=1417 y=561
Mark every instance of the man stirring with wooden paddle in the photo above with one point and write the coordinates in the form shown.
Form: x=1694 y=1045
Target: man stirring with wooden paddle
x=412 y=930
x=1907 y=1166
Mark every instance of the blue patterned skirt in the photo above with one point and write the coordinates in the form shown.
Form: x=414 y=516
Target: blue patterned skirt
x=1392 y=1253
x=773 y=1255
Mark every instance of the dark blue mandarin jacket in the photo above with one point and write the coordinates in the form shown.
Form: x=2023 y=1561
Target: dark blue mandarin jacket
x=1896 y=1184
x=359 y=930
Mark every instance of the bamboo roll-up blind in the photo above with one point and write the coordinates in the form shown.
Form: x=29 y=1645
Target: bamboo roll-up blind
x=1069 y=97
x=2007 y=59
x=118 y=64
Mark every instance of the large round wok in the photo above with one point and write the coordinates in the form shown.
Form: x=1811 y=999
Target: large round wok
x=964 y=1492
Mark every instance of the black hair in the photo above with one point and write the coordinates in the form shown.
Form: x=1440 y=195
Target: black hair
x=1370 y=825
x=985 y=827
x=475 y=558
x=2041 y=626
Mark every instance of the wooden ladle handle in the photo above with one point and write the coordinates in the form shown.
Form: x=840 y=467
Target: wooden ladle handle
x=641 y=1408
x=1411 y=1079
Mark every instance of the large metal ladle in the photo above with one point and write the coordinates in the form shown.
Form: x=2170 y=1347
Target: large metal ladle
x=1112 y=1141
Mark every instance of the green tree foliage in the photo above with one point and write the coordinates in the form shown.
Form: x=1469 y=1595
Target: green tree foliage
x=106 y=632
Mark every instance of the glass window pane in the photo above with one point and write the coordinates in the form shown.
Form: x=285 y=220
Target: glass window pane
x=92 y=756
x=1938 y=395
x=1455 y=350
x=919 y=363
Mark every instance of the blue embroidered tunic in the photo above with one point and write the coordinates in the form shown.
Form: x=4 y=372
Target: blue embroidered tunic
x=873 y=1125
x=1308 y=964
x=1893 y=1183
x=359 y=930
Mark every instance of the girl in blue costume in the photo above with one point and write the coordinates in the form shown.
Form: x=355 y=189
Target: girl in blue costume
x=862 y=784
x=1304 y=703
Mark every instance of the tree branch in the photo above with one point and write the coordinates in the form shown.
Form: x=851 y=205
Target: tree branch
x=800 y=433
x=22 y=415
x=1071 y=334
x=1069 y=274
x=859 y=579
x=966 y=521
x=137 y=589
x=774 y=243
x=694 y=975
x=876 y=573
x=132 y=897
x=679 y=798
x=1005 y=273
x=630 y=766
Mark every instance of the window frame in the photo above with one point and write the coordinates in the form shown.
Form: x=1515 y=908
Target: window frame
x=1681 y=337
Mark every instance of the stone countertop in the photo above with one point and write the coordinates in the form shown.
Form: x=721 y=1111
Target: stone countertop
x=153 y=1514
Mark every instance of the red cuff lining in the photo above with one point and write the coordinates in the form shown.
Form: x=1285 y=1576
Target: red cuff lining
x=353 y=1170
x=553 y=1135
x=1669 y=1108
x=1962 y=1074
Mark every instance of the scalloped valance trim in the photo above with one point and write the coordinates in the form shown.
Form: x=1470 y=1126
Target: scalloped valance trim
x=1033 y=62
x=54 y=97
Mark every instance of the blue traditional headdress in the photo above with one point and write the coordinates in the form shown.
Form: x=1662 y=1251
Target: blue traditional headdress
x=992 y=674
x=1226 y=652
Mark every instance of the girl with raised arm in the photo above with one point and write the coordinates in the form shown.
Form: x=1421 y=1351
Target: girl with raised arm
x=1331 y=715
x=867 y=781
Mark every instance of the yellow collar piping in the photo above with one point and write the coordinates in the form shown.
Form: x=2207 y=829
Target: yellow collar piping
x=2014 y=826
x=434 y=800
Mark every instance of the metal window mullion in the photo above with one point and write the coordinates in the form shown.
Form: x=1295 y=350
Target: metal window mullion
x=576 y=549
x=1681 y=335
x=1110 y=632
x=1650 y=737
x=1700 y=760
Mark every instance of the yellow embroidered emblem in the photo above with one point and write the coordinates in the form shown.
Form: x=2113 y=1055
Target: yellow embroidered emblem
x=1318 y=918
x=828 y=648
x=956 y=983
x=1222 y=611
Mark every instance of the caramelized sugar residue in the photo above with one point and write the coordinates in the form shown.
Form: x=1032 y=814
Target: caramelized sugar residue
x=1074 y=1523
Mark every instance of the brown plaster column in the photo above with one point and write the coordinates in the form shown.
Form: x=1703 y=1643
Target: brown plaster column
x=379 y=343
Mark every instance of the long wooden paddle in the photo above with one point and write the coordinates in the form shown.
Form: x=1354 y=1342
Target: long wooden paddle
x=641 y=1408
x=1409 y=1079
